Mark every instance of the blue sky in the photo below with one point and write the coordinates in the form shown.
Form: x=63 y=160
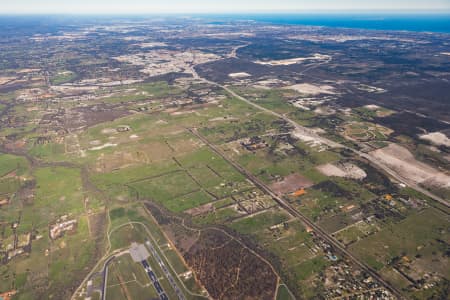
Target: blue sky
x=216 y=6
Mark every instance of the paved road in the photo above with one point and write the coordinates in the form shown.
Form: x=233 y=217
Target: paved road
x=105 y=276
x=165 y=270
x=162 y=294
x=287 y=206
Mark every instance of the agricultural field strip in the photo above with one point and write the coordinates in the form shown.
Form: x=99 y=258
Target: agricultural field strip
x=186 y=170
x=155 y=176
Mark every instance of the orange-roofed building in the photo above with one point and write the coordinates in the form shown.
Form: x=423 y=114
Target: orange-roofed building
x=7 y=295
x=299 y=192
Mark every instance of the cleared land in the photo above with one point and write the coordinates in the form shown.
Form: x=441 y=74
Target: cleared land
x=403 y=162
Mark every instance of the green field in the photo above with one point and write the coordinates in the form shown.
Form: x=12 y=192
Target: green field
x=54 y=197
x=283 y=293
x=422 y=230
x=63 y=77
x=10 y=163
x=257 y=222
x=166 y=187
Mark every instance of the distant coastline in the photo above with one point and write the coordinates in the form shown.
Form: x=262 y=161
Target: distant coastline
x=433 y=22
x=404 y=22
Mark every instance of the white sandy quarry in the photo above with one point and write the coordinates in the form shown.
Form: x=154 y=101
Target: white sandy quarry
x=346 y=170
x=403 y=162
x=269 y=83
x=293 y=61
x=152 y=45
x=324 y=110
x=311 y=89
x=239 y=75
x=4 y=80
x=437 y=138
x=311 y=137
x=372 y=107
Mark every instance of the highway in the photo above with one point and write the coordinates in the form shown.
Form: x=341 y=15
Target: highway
x=294 y=212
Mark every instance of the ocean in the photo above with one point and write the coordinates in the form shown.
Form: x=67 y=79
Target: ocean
x=422 y=22
x=404 y=22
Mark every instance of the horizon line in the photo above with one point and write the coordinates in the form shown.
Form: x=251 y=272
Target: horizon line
x=260 y=12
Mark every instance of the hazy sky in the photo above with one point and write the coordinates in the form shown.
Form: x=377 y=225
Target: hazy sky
x=218 y=6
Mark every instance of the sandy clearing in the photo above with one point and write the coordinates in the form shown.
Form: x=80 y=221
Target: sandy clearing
x=311 y=89
x=107 y=145
x=161 y=122
x=108 y=131
x=437 y=138
x=372 y=107
x=182 y=112
x=152 y=45
x=223 y=119
x=4 y=80
x=313 y=139
x=293 y=61
x=239 y=75
x=95 y=142
x=325 y=110
x=269 y=83
x=403 y=162
x=346 y=170
x=25 y=71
